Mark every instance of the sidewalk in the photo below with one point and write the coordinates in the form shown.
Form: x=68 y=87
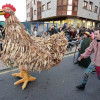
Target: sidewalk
x=3 y=67
x=74 y=49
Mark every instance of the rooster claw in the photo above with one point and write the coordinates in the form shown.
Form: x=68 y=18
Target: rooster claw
x=25 y=78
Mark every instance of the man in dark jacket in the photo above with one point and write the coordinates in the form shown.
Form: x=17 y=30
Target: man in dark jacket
x=53 y=30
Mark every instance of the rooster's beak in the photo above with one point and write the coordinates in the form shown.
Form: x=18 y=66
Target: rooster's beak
x=1 y=12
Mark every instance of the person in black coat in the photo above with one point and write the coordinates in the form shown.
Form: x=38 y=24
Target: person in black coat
x=53 y=30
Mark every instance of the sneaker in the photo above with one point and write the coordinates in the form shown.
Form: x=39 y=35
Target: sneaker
x=81 y=87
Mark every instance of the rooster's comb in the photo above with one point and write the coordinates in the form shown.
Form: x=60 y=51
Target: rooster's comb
x=10 y=6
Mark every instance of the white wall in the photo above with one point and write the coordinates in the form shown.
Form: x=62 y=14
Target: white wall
x=86 y=13
x=51 y=12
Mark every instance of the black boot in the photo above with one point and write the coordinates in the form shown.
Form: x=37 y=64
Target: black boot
x=81 y=87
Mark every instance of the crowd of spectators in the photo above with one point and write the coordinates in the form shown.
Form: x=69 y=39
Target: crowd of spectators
x=73 y=34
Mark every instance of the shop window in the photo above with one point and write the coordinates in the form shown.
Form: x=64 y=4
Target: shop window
x=96 y=9
x=48 y=5
x=34 y=12
x=85 y=4
x=90 y=6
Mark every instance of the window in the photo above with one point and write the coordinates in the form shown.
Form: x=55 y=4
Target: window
x=96 y=9
x=64 y=2
x=90 y=6
x=34 y=12
x=48 y=5
x=43 y=8
x=59 y=8
x=64 y=8
x=58 y=2
x=75 y=2
x=69 y=8
x=69 y=2
x=85 y=4
x=28 y=14
x=75 y=9
x=69 y=12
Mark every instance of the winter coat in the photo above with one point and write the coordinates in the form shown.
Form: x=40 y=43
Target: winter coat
x=85 y=44
x=93 y=48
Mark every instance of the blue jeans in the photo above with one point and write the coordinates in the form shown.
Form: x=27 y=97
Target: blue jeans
x=90 y=68
x=78 y=55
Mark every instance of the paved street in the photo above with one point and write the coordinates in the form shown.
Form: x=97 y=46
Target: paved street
x=57 y=84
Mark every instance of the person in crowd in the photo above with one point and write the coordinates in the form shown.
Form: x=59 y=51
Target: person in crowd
x=65 y=24
x=79 y=41
x=80 y=30
x=85 y=43
x=53 y=30
x=75 y=32
x=67 y=30
x=59 y=29
x=92 y=35
x=86 y=30
x=45 y=35
x=49 y=30
x=93 y=48
x=34 y=32
x=67 y=36
x=89 y=30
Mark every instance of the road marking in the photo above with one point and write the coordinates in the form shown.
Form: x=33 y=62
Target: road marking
x=68 y=55
x=7 y=71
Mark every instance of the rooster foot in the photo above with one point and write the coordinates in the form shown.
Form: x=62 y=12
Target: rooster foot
x=25 y=78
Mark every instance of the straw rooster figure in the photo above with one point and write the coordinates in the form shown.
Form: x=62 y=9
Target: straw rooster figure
x=29 y=54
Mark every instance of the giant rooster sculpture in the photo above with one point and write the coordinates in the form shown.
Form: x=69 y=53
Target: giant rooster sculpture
x=29 y=54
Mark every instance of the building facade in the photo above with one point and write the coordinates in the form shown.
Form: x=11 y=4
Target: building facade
x=75 y=12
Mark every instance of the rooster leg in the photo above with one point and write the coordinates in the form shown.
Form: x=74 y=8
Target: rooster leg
x=18 y=74
x=25 y=78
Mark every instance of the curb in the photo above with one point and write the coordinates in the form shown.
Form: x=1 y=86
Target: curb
x=70 y=53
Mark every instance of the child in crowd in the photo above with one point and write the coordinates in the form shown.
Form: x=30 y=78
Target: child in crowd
x=93 y=48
